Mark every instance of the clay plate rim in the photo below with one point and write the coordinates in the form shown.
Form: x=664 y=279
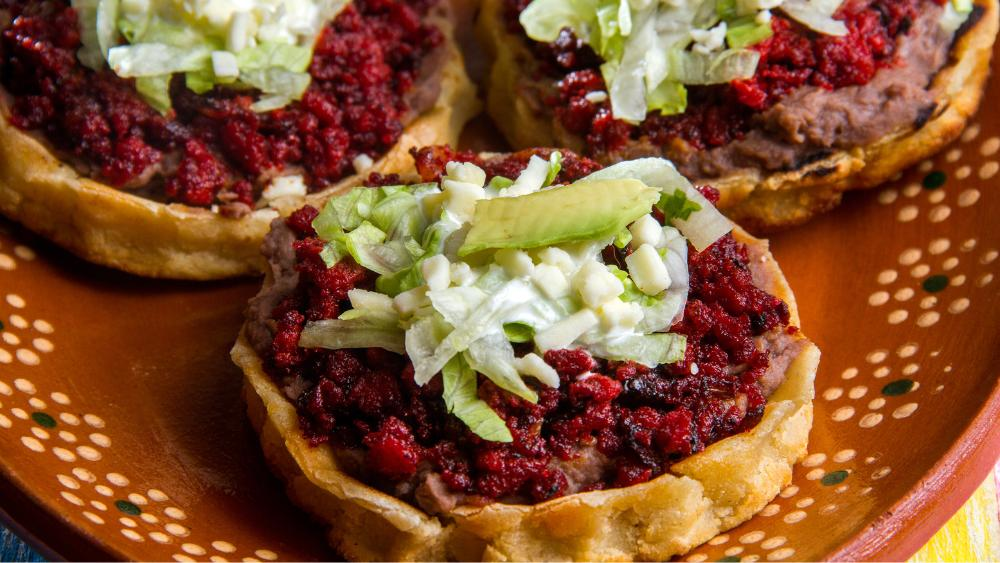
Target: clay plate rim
x=909 y=523
x=25 y=517
x=894 y=536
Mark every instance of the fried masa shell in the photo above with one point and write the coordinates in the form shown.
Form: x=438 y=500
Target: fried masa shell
x=758 y=200
x=701 y=496
x=114 y=228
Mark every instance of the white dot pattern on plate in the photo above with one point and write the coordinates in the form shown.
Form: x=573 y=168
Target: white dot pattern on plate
x=870 y=420
x=815 y=474
x=843 y=413
x=904 y=410
x=71 y=482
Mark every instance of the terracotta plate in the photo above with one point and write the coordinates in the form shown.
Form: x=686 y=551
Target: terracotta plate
x=122 y=431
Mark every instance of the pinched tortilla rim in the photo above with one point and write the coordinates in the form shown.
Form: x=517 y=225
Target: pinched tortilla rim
x=112 y=227
x=758 y=200
x=701 y=496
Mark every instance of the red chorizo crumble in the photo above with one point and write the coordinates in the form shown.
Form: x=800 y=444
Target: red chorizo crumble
x=211 y=146
x=791 y=58
x=641 y=419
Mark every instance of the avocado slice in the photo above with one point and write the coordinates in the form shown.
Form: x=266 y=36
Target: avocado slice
x=586 y=210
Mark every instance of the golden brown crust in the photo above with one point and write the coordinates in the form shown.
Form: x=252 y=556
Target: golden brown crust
x=115 y=228
x=703 y=495
x=760 y=201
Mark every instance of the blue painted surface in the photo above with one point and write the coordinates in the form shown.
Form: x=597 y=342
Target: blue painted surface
x=13 y=549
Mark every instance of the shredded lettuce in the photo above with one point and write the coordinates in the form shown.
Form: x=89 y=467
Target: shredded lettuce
x=538 y=174
x=345 y=212
x=269 y=55
x=480 y=321
x=403 y=280
x=156 y=59
x=399 y=215
x=519 y=332
x=649 y=350
x=270 y=41
x=610 y=40
x=622 y=239
x=90 y=53
x=661 y=313
x=498 y=183
x=726 y=9
x=746 y=32
x=955 y=14
x=692 y=67
x=493 y=356
x=817 y=15
x=107 y=28
x=647 y=46
x=155 y=90
x=381 y=228
x=355 y=331
x=455 y=304
x=279 y=85
x=555 y=165
x=461 y=399
x=628 y=87
x=544 y=19
x=669 y=98
x=198 y=81
x=632 y=292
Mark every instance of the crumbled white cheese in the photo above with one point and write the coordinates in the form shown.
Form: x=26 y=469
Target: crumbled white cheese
x=460 y=198
x=516 y=263
x=362 y=163
x=646 y=230
x=648 y=270
x=559 y=258
x=284 y=186
x=463 y=274
x=371 y=300
x=551 y=281
x=224 y=64
x=566 y=331
x=465 y=172
x=708 y=40
x=596 y=97
x=763 y=17
x=437 y=272
x=619 y=316
x=596 y=284
x=241 y=30
x=768 y=4
x=530 y=180
x=534 y=366
x=408 y=302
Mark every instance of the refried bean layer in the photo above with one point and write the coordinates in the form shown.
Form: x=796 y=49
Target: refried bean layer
x=811 y=93
x=371 y=69
x=608 y=424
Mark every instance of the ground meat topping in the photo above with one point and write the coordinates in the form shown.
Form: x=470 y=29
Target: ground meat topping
x=212 y=148
x=791 y=58
x=608 y=424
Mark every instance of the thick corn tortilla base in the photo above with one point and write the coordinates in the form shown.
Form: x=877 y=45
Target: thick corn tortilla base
x=115 y=228
x=757 y=200
x=703 y=495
